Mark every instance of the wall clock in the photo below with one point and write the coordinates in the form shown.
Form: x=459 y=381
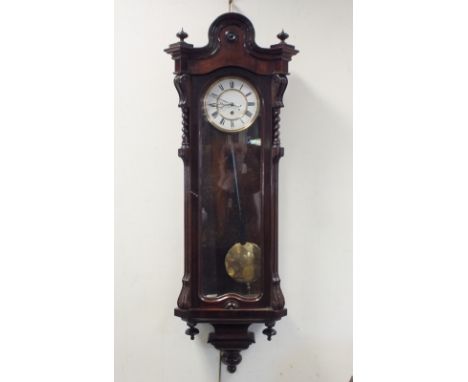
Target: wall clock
x=230 y=92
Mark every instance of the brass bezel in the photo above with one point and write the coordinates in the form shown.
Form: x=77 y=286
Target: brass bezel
x=213 y=121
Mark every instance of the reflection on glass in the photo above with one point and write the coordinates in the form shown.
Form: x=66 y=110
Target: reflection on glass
x=230 y=212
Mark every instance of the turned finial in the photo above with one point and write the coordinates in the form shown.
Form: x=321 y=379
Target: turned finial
x=182 y=35
x=282 y=36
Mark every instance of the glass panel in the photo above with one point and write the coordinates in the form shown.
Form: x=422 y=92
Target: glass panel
x=231 y=258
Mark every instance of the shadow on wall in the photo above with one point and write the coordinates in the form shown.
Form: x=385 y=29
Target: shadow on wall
x=315 y=213
x=321 y=122
x=315 y=174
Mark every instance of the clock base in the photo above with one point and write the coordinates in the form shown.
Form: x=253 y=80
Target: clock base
x=231 y=329
x=230 y=340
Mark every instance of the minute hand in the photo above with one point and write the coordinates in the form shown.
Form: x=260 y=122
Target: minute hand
x=229 y=103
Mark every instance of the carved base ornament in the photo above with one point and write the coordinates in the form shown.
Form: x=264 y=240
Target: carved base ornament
x=231 y=93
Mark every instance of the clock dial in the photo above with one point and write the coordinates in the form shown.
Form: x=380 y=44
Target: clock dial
x=231 y=104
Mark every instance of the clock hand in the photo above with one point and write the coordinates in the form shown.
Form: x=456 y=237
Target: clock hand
x=229 y=103
x=220 y=104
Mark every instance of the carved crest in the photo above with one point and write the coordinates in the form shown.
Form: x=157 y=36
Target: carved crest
x=231 y=36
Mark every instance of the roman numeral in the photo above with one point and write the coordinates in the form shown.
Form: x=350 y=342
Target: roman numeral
x=241 y=87
x=222 y=121
x=214 y=95
x=250 y=103
x=231 y=84
x=248 y=113
x=232 y=123
x=221 y=86
x=215 y=114
x=249 y=93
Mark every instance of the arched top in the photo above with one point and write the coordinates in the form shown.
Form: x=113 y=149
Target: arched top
x=227 y=20
x=231 y=42
x=231 y=18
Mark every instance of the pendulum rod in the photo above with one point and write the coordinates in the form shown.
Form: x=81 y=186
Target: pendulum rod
x=236 y=187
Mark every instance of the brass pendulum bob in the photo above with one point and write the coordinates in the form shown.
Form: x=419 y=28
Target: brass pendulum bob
x=242 y=261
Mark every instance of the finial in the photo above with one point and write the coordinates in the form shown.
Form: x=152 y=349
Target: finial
x=182 y=35
x=282 y=36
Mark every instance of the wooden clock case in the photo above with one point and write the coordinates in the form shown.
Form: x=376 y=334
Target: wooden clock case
x=231 y=50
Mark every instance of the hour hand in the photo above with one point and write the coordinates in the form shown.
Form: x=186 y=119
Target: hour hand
x=219 y=104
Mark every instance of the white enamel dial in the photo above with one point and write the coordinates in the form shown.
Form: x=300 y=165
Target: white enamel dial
x=231 y=104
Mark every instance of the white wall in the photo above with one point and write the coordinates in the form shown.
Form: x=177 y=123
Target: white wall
x=314 y=342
